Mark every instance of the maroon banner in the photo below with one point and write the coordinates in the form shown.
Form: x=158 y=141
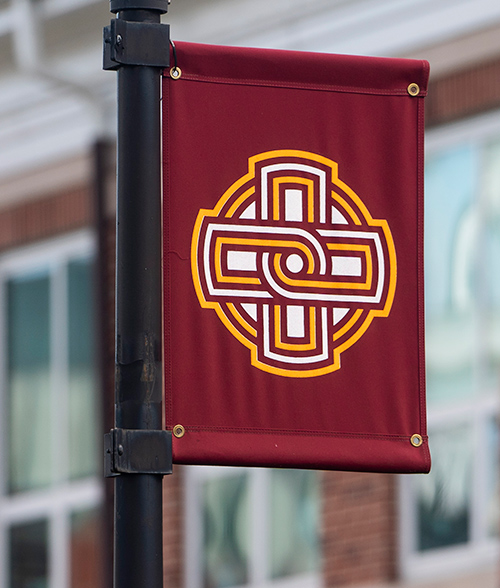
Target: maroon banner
x=293 y=259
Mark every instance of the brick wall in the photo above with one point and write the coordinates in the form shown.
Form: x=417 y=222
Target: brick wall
x=358 y=535
x=173 y=526
x=45 y=218
x=463 y=93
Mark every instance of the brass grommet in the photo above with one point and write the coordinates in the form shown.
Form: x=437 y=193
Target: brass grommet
x=178 y=431
x=413 y=89
x=416 y=440
x=175 y=73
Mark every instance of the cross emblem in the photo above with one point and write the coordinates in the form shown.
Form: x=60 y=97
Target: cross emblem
x=293 y=263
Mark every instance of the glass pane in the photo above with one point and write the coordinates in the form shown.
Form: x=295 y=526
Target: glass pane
x=29 y=555
x=451 y=243
x=294 y=522
x=82 y=392
x=86 y=550
x=225 y=531
x=451 y=181
x=492 y=482
x=444 y=495
x=450 y=355
x=29 y=383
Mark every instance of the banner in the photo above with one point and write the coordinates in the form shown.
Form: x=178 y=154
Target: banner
x=293 y=259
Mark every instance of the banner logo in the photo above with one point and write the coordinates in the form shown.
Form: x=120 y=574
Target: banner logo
x=293 y=263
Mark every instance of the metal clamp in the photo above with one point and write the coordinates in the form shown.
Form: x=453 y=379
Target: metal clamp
x=136 y=43
x=137 y=451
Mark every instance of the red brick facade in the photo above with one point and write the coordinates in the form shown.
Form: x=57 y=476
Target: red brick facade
x=358 y=535
x=40 y=219
x=173 y=529
x=463 y=93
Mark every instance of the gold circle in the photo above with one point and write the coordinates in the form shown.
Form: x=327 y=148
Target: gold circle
x=416 y=440
x=179 y=431
x=175 y=73
x=413 y=89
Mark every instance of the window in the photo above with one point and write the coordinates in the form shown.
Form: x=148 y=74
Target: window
x=251 y=526
x=50 y=487
x=450 y=518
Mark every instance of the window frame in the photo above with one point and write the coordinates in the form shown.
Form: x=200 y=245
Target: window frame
x=480 y=551
x=259 y=498
x=63 y=496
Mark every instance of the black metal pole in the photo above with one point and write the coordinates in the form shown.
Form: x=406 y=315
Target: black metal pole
x=138 y=376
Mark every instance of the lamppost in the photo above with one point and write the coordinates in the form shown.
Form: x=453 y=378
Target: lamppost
x=139 y=451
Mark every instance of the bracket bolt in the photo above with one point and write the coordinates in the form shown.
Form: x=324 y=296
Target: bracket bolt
x=120 y=449
x=119 y=40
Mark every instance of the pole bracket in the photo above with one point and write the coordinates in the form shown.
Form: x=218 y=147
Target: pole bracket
x=136 y=43
x=137 y=451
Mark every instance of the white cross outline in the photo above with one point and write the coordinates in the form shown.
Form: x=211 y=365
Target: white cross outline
x=311 y=239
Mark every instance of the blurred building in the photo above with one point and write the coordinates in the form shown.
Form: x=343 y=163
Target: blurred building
x=234 y=527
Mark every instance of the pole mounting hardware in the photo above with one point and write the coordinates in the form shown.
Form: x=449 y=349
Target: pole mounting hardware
x=160 y=6
x=137 y=451
x=136 y=43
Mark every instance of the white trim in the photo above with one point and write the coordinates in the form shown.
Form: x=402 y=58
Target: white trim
x=68 y=497
x=48 y=253
x=192 y=527
x=259 y=519
x=59 y=537
x=489 y=405
x=472 y=130
x=58 y=303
